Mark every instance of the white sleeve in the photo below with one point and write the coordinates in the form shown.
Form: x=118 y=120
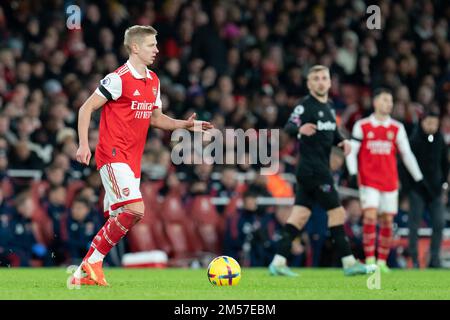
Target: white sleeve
x=408 y=157
x=352 y=157
x=110 y=87
x=158 y=103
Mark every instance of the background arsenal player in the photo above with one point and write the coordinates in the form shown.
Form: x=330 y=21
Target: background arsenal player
x=130 y=97
x=375 y=143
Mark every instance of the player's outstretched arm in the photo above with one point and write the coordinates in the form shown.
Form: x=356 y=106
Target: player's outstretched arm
x=93 y=103
x=161 y=121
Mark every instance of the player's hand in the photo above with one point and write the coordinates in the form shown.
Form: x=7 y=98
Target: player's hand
x=83 y=154
x=197 y=125
x=308 y=129
x=346 y=146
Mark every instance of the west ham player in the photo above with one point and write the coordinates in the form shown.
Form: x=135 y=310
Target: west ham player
x=375 y=143
x=130 y=97
x=313 y=122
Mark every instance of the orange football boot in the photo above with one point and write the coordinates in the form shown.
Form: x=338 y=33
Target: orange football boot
x=83 y=281
x=95 y=272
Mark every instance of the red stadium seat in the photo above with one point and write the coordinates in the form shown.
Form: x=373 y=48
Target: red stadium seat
x=180 y=231
x=39 y=189
x=172 y=209
x=162 y=242
x=149 y=191
x=203 y=211
x=140 y=238
x=7 y=188
x=42 y=226
x=156 y=228
x=207 y=222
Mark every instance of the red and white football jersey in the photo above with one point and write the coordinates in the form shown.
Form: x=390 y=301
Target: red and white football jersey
x=125 y=118
x=375 y=145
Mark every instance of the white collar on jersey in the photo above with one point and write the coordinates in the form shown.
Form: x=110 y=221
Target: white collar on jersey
x=136 y=74
x=377 y=122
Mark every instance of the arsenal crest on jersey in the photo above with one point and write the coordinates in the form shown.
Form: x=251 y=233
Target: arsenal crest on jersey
x=126 y=192
x=390 y=135
x=154 y=90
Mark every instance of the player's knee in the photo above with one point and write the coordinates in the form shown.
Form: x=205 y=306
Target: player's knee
x=386 y=220
x=135 y=206
x=370 y=216
x=136 y=209
x=336 y=217
x=299 y=216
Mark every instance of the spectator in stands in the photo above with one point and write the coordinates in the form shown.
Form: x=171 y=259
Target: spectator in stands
x=81 y=227
x=5 y=230
x=200 y=179
x=55 y=176
x=277 y=186
x=171 y=184
x=24 y=246
x=245 y=236
x=22 y=157
x=5 y=131
x=3 y=159
x=226 y=186
x=55 y=205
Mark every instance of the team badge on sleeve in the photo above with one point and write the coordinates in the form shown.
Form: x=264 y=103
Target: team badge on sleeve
x=299 y=109
x=106 y=81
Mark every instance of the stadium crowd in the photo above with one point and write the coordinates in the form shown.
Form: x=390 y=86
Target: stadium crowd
x=238 y=64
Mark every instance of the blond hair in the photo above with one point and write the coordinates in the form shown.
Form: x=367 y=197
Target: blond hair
x=136 y=33
x=317 y=68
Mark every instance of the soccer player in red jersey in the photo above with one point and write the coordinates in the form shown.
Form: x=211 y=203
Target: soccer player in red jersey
x=376 y=140
x=131 y=100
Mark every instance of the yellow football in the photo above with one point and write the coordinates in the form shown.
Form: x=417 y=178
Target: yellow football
x=224 y=271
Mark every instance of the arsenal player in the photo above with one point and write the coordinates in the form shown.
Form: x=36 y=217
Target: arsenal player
x=375 y=143
x=131 y=100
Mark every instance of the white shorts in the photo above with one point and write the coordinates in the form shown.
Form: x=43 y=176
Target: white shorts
x=121 y=187
x=384 y=202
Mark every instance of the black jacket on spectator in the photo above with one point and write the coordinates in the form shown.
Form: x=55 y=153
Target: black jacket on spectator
x=431 y=154
x=80 y=234
x=22 y=240
x=5 y=236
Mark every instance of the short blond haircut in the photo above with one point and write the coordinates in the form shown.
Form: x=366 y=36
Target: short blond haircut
x=317 y=68
x=137 y=33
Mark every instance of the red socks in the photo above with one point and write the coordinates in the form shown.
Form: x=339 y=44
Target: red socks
x=113 y=231
x=384 y=241
x=98 y=237
x=369 y=237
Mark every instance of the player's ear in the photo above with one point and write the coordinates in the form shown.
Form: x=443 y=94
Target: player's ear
x=134 y=47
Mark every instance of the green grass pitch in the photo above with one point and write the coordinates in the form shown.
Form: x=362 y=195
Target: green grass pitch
x=256 y=283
